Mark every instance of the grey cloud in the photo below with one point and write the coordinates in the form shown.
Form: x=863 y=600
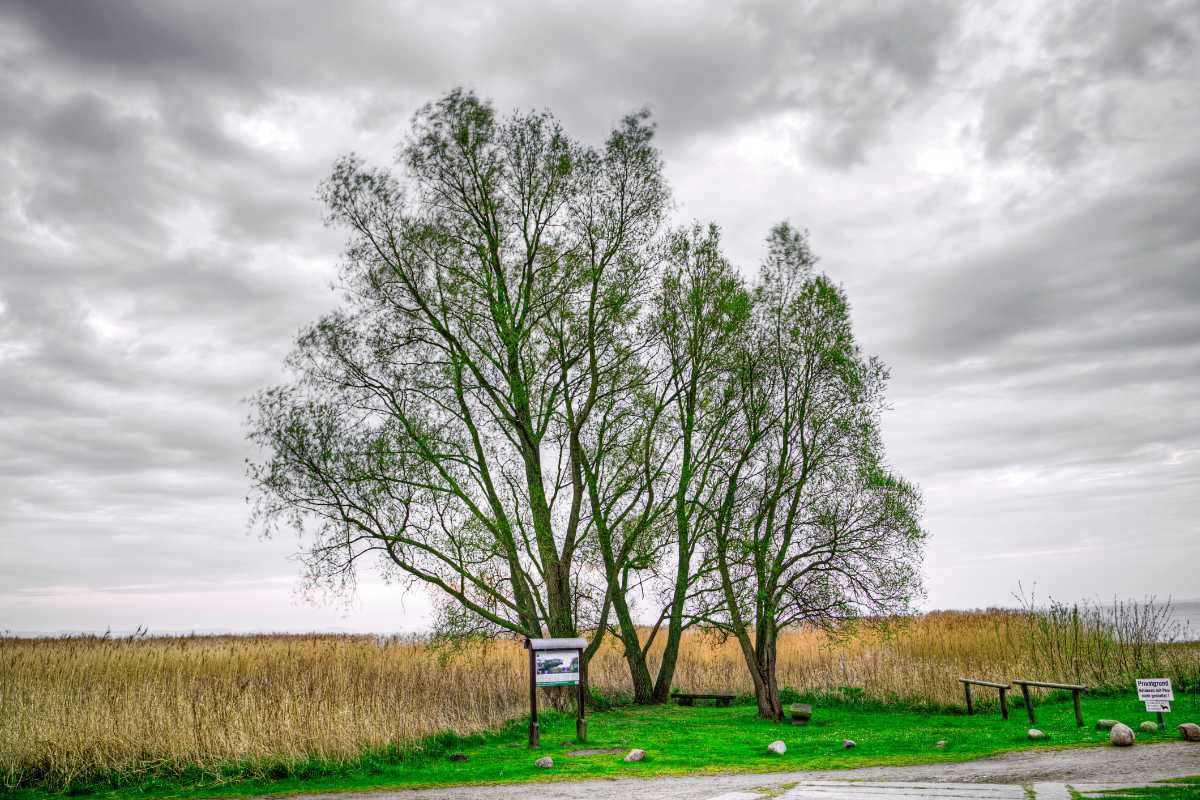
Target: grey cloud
x=1066 y=100
x=1132 y=250
x=86 y=124
x=848 y=67
x=1127 y=36
x=128 y=201
x=857 y=64
x=1037 y=106
x=129 y=36
x=1068 y=357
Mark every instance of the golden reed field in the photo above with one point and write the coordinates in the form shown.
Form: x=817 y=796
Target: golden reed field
x=84 y=707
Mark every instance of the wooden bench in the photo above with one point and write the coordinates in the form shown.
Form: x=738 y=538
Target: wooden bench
x=1003 y=687
x=1073 y=688
x=688 y=698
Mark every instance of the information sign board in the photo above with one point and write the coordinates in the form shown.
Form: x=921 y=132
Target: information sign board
x=1156 y=693
x=557 y=662
x=1157 y=689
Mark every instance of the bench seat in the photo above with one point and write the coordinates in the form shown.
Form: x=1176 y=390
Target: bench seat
x=690 y=698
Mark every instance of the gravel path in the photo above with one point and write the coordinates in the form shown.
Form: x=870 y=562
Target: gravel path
x=1089 y=765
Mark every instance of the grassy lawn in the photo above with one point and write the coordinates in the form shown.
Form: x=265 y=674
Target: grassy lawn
x=677 y=741
x=1179 y=789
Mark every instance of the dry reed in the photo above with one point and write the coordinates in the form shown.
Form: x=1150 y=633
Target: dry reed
x=87 y=708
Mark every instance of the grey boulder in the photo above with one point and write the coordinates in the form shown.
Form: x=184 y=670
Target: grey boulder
x=801 y=713
x=848 y=743
x=1121 y=735
x=635 y=755
x=545 y=762
x=1106 y=724
x=1148 y=727
x=1190 y=731
x=777 y=747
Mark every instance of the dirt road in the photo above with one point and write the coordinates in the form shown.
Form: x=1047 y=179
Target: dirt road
x=1044 y=774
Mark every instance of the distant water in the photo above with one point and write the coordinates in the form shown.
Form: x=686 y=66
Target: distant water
x=1187 y=614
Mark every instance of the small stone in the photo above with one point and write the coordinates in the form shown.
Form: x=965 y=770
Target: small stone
x=1148 y=727
x=777 y=747
x=1034 y=733
x=848 y=743
x=1121 y=735
x=635 y=755
x=458 y=756
x=1106 y=724
x=1190 y=731
x=941 y=745
x=545 y=762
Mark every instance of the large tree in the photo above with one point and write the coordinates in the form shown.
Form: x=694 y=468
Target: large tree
x=656 y=450
x=700 y=315
x=538 y=406
x=806 y=523
x=442 y=420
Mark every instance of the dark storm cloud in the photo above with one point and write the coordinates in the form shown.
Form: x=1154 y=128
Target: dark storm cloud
x=160 y=243
x=848 y=66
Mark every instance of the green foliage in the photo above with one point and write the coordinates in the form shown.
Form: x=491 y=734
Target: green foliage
x=606 y=700
x=491 y=293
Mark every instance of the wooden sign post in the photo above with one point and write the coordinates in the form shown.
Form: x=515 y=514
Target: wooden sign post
x=557 y=662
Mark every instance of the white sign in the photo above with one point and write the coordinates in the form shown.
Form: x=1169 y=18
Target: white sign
x=1156 y=690
x=556 y=667
x=1158 y=706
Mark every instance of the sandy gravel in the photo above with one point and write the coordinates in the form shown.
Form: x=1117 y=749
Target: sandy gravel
x=1139 y=764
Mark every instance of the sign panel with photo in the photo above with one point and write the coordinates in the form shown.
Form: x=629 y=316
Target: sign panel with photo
x=557 y=667
x=557 y=662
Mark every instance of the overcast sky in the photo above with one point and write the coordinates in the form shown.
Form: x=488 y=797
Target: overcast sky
x=1010 y=194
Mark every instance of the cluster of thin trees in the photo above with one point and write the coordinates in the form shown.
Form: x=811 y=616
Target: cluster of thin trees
x=566 y=418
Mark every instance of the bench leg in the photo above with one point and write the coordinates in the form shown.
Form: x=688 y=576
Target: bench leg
x=1028 y=703
x=1004 y=703
x=1078 y=710
x=967 y=692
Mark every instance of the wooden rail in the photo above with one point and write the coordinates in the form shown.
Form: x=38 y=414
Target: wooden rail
x=1073 y=688
x=1003 y=687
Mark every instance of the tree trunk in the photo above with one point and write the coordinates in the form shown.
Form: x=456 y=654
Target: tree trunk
x=639 y=673
x=666 y=669
x=760 y=661
x=557 y=571
x=766 y=682
x=683 y=566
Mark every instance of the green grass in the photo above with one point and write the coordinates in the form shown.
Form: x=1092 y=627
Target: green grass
x=1178 y=789
x=677 y=741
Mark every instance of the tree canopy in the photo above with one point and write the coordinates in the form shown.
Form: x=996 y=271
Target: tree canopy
x=564 y=417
